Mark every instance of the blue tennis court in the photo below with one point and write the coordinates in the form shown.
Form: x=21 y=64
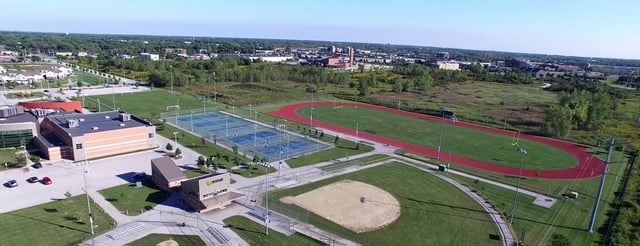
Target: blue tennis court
x=253 y=138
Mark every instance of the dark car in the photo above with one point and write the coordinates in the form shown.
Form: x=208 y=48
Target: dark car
x=33 y=180
x=139 y=176
x=12 y=183
x=46 y=90
x=37 y=165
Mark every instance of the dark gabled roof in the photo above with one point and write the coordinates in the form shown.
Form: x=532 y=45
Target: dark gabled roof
x=168 y=169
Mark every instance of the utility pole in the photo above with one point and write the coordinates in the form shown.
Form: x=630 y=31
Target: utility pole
x=604 y=175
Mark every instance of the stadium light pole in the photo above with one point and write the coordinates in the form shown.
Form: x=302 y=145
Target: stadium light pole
x=86 y=191
x=226 y=124
x=266 y=197
x=177 y=111
x=215 y=93
x=191 y=120
x=99 y=106
x=175 y=139
x=204 y=105
x=250 y=112
x=599 y=195
x=113 y=94
x=515 y=198
x=255 y=135
x=441 y=128
x=357 y=128
x=233 y=106
x=452 y=139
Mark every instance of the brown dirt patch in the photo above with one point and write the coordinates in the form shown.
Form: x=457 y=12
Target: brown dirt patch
x=169 y=242
x=357 y=206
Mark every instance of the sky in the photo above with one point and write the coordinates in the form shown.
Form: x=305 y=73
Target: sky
x=590 y=28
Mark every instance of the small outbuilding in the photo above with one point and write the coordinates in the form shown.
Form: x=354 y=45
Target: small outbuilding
x=166 y=174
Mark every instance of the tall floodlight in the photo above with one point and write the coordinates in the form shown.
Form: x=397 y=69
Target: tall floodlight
x=441 y=127
x=177 y=111
x=99 y=105
x=191 y=120
x=266 y=197
x=515 y=198
x=604 y=175
x=226 y=125
x=453 y=129
x=86 y=191
x=215 y=93
x=113 y=94
x=233 y=106
x=204 y=105
x=357 y=129
x=255 y=134
x=175 y=139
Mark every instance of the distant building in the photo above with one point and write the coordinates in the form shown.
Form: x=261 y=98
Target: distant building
x=124 y=56
x=166 y=174
x=153 y=57
x=176 y=51
x=448 y=65
x=64 y=53
x=209 y=192
x=77 y=136
x=518 y=64
x=81 y=54
x=442 y=56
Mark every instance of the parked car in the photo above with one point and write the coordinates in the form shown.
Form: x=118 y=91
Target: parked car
x=12 y=183
x=37 y=165
x=139 y=176
x=33 y=180
x=47 y=181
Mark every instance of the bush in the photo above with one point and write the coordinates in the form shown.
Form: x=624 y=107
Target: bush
x=560 y=240
x=169 y=147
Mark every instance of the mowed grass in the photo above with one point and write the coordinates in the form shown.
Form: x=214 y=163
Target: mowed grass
x=254 y=234
x=133 y=200
x=154 y=239
x=569 y=217
x=53 y=223
x=433 y=212
x=471 y=143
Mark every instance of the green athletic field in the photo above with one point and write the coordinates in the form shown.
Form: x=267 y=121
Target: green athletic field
x=471 y=143
x=433 y=212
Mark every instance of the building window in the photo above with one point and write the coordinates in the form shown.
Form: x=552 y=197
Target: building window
x=78 y=146
x=150 y=135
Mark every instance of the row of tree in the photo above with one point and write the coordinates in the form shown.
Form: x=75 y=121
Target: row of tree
x=582 y=110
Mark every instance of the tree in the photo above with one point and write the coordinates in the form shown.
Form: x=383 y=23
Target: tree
x=362 y=88
x=203 y=140
x=256 y=158
x=559 y=120
x=560 y=240
x=201 y=161
x=21 y=159
x=35 y=58
x=178 y=152
x=335 y=140
x=169 y=147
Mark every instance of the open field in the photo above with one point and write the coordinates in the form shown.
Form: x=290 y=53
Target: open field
x=7 y=155
x=471 y=143
x=154 y=239
x=343 y=148
x=128 y=198
x=61 y=222
x=253 y=234
x=428 y=205
x=569 y=217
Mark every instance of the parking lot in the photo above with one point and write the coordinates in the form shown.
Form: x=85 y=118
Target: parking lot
x=68 y=177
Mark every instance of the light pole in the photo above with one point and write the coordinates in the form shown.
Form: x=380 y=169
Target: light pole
x=99 y=108
x=357 y=126
x=177 y=111
x=266 y=197
x=515 y=198
x=233 y=106
x=594 y=212
x=204 y=105
x=191 y=120
x=175 y=139
x=441 y=127
x=86 y=190
x=214 y=88
x=250 y=112
x=255 y=134
x=226 y=125
x=113 y=94
x=452 y=135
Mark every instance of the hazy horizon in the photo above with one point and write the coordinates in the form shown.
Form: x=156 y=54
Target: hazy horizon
x=571 y=28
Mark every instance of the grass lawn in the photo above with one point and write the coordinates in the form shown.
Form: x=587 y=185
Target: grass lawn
x=87 y=78
x=7 y=155
x=127 y=197
x=253 y=234
x=53 y=223
x=154 y=239
x=433 y=211
x=192 y=173
x=568 y=217
x=471 y=143
x=355 y=162
x=343 y=148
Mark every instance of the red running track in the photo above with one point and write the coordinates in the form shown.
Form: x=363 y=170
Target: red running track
x=588 y=166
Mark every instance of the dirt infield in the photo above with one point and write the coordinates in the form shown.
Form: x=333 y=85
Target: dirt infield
x=587 y=167
x=168 y=243
x=357 y=206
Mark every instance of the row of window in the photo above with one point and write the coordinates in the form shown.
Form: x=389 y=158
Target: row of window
x=15 y=138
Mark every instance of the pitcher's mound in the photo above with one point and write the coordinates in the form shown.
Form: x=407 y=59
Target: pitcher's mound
x=168 y=243
x=357 y=206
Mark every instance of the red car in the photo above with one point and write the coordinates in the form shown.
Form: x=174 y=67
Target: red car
x=47 y=181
